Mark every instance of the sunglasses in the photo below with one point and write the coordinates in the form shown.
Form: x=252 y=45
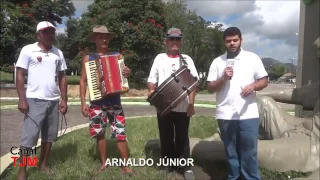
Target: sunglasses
x=174 y=38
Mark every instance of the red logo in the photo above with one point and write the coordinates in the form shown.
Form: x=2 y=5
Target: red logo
x=27 y=161
x=39 y=58
x=29 y=157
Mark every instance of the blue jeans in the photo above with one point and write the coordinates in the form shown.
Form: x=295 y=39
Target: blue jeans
x=240 y=138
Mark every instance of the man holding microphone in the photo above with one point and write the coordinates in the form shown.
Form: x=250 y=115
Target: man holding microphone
x=235 y=76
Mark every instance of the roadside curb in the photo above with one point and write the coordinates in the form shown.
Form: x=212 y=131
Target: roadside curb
x=124 y=103
x=135 y=97
x=14 y=107
x=6 y=160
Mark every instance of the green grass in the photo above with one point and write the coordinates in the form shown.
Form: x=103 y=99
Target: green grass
x=8 y=78
x=15 y=102
x=6 y=103
x=73 y=80
x=203 y=92
x=74 y=156
x=144 y=100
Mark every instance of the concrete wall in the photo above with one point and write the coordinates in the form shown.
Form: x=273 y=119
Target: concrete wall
x=308 y=60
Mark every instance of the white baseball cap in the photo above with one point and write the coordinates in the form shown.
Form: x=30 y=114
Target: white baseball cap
x=43 y=25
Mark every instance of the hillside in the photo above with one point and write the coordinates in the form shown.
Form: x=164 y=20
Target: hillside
x=268 y=62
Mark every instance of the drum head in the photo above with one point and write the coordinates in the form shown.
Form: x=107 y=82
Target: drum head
x=166 y=82
x=173 y=91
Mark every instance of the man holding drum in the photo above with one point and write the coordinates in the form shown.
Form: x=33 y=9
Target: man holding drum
x=235 y=76
x=174 y=126
x=107 y=110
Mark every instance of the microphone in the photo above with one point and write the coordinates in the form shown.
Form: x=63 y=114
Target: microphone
x=230 y=63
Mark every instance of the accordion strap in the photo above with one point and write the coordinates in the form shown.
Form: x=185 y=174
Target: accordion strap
x=94 y=55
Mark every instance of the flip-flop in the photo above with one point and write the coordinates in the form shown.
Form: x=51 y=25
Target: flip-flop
x=101 y=171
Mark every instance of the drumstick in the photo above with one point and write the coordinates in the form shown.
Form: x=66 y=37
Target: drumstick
x=33 y=120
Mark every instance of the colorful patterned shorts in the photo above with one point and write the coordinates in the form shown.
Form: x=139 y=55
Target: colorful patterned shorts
x=100 y=116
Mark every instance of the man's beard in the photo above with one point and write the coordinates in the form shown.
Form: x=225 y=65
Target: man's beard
x=233 y=54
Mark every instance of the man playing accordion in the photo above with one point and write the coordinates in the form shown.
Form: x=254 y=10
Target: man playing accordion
x=106 y=110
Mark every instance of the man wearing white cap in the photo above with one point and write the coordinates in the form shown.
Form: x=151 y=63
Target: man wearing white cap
x=45 y=65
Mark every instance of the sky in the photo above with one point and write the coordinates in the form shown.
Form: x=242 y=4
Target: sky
x=269 y=28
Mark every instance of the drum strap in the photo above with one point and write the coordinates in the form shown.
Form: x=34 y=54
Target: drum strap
x=183 y=61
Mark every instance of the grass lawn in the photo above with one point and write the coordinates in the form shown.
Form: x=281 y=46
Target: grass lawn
x=74 y=156
x=144 y=100
x=203 y=92
x=15 y=102
x=8 y=78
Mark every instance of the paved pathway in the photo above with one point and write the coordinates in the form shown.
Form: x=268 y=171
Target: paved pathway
x=11 y=121
x=270 y=88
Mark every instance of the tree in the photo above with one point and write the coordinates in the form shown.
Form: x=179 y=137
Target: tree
x=138 y=25
x=176 y=15
x=202 y=41
x=70 y=48
x=276 y=72
x=19 y=20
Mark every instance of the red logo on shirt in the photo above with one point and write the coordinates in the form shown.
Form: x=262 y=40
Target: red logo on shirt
x=173 y=68
x=39 y=58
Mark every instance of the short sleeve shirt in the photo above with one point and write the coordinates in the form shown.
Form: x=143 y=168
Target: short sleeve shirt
x=43 y=69
x=162 y=68
x=247 y=69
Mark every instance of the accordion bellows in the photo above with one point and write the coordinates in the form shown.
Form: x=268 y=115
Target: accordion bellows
x=104 y=76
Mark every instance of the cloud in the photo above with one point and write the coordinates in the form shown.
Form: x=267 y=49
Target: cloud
x=221 y=8
x=60 y=29
x=279 y=22
x=268 y=28
x=264 y=47
x=81 y=5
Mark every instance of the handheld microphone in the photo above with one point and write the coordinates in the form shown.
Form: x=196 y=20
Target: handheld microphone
x=230 y=63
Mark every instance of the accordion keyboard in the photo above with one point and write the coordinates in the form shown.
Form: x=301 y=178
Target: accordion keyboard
x=93 y=80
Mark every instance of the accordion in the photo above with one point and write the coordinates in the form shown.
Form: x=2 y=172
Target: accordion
x=104 y=76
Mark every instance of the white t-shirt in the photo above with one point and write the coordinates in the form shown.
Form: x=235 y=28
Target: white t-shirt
x=163 y=66
x=42 y=70
x=247 y=69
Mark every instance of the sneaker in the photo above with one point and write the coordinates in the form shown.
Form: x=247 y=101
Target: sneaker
x=188 y=175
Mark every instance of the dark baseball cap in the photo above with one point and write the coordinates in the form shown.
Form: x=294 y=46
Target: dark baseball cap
x=174 y=32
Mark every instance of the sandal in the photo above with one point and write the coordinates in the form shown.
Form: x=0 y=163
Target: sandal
x=101 y=170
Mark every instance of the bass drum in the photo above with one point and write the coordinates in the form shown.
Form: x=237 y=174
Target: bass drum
x=173 y=90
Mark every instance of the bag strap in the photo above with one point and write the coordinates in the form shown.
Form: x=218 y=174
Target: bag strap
x=183 y=62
